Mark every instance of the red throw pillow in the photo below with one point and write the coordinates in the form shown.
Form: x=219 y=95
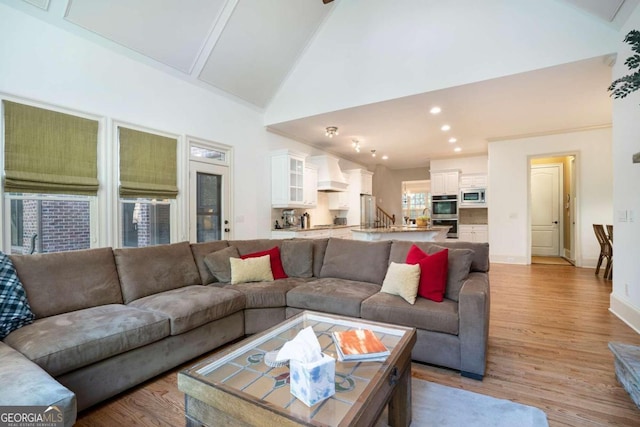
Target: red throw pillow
x=433 y=272
x=276 y=263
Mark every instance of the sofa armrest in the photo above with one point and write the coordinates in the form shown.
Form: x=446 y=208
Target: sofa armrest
x=473 y=309
x=26 y=384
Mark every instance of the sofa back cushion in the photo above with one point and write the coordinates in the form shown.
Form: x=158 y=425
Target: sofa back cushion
x=297 y=257
x=153 y=269
x=254 y=245
x=479 y=262
x=61 y=282
x=319 y=249
x=356 y=260
x=201 y=250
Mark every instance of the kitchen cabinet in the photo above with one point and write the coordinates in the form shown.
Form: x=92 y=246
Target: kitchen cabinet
x=287 y=179
x=339 y=200
x=341 y=233
x=318 y=233
x=310 y=179
x=473 y=233
x=473 y=181
x=444 y=182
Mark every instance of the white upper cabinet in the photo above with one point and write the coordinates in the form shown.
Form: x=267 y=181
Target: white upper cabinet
x=339 y=200
x=310 y=185
x=444 y=182
x=287 y=179
x=474 y=181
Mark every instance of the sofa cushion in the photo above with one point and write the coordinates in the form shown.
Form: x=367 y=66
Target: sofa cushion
x=433 y=272
x=254 y=245
x=319 y=249
x=26 y=384
x=218 y=263
x=297 y=257
x=424 y=314
x=199 y=251
x=480 y=261
x=152 y=269
x=356 y=260
x=459 y=261
x=275 y=260
x=192 y=306
x=267 y=294
x=251 y=270
x=69 y=341
x=62 y=282
x=14 y=307
x=402 y=280
x=331 y=295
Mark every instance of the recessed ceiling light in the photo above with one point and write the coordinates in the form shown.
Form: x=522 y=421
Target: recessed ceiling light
x=385 y=157
x=457 y=149
x=453 y=140
x=445 y=127
x=435 y=110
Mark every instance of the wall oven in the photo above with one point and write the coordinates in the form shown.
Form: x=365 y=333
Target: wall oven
x=444 y=207
x=453 y=223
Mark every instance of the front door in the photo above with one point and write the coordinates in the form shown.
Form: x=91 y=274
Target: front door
x=545 y=209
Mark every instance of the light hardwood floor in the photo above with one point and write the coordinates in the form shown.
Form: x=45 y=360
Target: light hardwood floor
x=550 y=326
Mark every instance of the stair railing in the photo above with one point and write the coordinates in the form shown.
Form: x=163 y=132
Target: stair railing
x=383 y=219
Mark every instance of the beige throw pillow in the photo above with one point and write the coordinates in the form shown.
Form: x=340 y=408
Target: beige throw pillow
x=251 y=270
x=402 y=280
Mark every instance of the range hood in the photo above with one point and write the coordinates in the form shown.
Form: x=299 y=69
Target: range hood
x=330 y=177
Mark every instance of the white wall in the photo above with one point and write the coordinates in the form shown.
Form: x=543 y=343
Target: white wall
x=49 y=65
x=374 y=50
x=625 y=298
x=509 y=231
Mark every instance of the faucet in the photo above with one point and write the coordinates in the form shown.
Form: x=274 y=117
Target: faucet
x=425 y=210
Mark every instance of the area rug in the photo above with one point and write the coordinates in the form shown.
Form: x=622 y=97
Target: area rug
x=437 y=405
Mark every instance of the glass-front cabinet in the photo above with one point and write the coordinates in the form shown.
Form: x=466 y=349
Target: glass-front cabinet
x=287 y=179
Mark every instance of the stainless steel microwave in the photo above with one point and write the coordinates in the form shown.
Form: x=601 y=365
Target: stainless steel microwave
x=473 y=197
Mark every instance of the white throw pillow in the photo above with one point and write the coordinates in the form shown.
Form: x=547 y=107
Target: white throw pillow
x=251 y=270
x=402 y=280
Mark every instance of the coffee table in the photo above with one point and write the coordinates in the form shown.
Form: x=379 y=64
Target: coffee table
x=235 y=387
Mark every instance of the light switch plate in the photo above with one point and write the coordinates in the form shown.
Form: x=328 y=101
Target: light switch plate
x=622 y=216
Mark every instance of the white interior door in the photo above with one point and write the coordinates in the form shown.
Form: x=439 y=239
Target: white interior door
x=209 y=192
x=545 y=209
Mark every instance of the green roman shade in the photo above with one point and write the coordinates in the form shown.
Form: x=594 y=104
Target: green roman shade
x=49 y=152
x=147 y=165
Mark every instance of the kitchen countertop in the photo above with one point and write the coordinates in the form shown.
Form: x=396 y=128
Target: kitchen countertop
x=315 y=227
x=401 y=229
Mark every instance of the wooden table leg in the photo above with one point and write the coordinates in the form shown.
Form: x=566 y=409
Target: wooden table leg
x=400 y=403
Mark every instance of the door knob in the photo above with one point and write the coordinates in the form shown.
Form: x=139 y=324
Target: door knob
x=555 y=222
x=226 y=230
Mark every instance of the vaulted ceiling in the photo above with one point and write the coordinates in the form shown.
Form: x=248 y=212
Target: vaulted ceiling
x=247 y=49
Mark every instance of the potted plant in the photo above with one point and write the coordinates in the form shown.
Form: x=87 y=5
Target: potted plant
x=625 y=85
x=422 y=221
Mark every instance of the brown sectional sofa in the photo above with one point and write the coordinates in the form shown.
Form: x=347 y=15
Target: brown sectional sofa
x=108 y=319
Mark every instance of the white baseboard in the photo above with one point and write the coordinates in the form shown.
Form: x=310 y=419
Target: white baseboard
x=508 y=259
x=625 y=312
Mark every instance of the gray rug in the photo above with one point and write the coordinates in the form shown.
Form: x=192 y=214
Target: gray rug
x=437 y=405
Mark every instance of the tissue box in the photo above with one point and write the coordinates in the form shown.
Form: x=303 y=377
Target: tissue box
x=314 y=381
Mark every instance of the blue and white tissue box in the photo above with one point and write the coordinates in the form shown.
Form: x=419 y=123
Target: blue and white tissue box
x=313 y=382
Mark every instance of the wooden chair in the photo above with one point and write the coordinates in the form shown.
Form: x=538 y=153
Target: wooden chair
x=606 y=251
x=610 y=232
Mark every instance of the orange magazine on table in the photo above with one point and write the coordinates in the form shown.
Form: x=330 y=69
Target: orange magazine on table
x=358 y=345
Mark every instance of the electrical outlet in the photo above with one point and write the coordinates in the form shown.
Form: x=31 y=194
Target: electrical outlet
x=630 y=215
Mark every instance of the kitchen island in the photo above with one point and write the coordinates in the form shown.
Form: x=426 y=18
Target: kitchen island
x=407 y=233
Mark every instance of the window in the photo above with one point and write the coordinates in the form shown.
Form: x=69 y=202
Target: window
x=50 y=166
x=148 y=176
x=145 y=222
x=413 y=204
x=49 y=223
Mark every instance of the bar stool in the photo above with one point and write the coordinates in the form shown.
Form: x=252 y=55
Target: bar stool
x=606 y=251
